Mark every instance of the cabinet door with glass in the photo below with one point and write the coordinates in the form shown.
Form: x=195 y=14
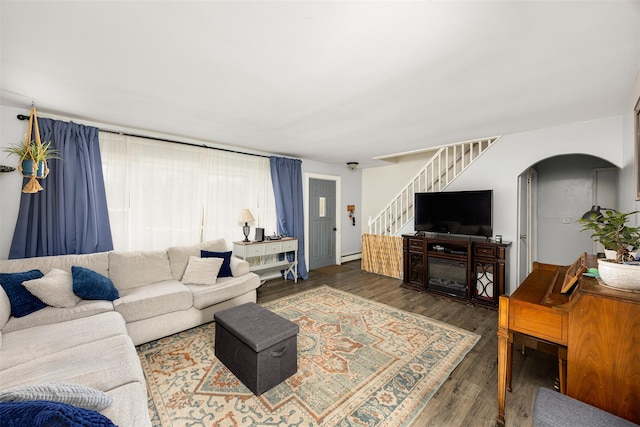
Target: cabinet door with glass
x=488 y=273
x=414 y=259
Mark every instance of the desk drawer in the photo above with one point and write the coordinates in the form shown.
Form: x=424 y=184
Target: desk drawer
x=289 y=245
x=256 y=250
x=416 y=244
x=486 y=251
x=539 y=321
x=273 y=248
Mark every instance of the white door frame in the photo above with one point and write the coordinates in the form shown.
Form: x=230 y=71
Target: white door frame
x=338 y=180
x=527 y=224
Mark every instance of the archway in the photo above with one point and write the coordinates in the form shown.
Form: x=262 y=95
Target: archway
x=563 y=188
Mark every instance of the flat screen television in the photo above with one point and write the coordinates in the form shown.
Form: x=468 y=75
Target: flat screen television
x=455 y=212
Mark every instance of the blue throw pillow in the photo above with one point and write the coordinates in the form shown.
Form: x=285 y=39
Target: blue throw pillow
x=225 y=270
x=22 y=301
x=88 y=284
x=41 y=413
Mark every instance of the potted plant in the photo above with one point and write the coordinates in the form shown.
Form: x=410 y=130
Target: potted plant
x=39 y=153
x=610 y=228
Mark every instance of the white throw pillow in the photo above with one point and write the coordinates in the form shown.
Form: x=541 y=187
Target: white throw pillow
x=202 y=271
x=55 y=289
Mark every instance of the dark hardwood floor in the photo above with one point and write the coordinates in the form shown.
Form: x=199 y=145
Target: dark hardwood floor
x=469 y=396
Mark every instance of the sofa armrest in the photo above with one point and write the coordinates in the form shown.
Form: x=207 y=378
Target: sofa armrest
x=553 y=409
x=239 y=267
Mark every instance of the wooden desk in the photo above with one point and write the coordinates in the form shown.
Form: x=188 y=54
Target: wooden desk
x=596 y=330
x=267 y=252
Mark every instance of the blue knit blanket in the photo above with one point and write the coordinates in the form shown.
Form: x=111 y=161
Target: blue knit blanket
x=38 y=413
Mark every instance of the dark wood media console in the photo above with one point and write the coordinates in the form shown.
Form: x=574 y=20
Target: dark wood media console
x=462 y=268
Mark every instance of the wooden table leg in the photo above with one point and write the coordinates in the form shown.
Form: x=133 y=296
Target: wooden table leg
x=562 y=368
x=504 y=337
x=509 y=364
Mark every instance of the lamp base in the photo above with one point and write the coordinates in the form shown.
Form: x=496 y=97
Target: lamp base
x=246 y=229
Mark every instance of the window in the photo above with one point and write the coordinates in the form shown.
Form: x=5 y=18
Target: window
x=163 y=194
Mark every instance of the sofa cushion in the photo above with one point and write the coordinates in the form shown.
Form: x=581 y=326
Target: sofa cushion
x=88 y=284
x=54 y=289
x=129 y=405
x=239 y=267
x=225 y=289
x=551 y=409
x=179 y=255
x=21 y=300
x=46 y=413
x=132 y=269
x=102 y=364
x=98 y=262
x=51 y=338
x=225 y=270
x=48 y=315
x=202 y=271
x=73 y=394
x=152 y=300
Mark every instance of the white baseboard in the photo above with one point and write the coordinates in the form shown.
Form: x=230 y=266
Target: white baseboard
x=352 y=257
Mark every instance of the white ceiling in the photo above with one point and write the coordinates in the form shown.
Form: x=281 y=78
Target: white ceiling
x=332 y=81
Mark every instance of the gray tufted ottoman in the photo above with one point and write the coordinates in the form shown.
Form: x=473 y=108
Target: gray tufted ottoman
x=258 y=346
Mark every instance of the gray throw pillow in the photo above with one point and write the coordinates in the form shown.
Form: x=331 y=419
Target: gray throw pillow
x=73 y=394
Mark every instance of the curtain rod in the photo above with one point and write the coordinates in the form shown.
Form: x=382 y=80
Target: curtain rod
x=192 y=144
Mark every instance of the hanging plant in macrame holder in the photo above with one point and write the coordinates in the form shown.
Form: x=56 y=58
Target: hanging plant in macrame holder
x=33 y=162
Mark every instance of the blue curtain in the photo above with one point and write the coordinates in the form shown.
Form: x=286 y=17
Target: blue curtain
x=286 y=176
x=69 y=216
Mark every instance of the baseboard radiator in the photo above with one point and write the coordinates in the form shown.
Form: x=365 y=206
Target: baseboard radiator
x=382 y=255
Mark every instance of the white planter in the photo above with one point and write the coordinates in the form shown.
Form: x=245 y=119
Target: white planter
x=619 y=276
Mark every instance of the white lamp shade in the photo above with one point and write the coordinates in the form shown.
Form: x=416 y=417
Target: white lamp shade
x=245 y=216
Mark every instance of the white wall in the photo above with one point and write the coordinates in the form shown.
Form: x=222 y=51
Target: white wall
x=381 y=184
x=565 y=191
x=13 y=131
x=499 y=167
x=351 y=194
x=628 y=179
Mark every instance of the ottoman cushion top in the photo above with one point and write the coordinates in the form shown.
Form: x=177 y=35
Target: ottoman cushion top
x=257 y=327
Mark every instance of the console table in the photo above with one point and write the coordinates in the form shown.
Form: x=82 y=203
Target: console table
x=267 y=252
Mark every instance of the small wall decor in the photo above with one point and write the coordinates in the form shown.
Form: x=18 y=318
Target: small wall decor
x=4 y=168
x=33 y=155
x=352 y=213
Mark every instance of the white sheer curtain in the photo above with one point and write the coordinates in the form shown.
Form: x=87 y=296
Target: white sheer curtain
x=163 y=194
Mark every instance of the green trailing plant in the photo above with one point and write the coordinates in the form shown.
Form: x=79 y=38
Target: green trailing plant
x=611 y=230
x=39 y=152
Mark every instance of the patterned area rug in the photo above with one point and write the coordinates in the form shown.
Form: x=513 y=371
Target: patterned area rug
x=360 y=363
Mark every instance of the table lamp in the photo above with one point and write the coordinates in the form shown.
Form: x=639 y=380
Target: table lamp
x=246 y=217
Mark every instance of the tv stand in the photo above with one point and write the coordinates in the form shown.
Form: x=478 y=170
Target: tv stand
x=461 y=268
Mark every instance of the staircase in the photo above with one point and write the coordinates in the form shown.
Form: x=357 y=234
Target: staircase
x=445 y=166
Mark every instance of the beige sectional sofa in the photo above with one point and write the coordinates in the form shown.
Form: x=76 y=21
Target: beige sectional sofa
x=92 y=343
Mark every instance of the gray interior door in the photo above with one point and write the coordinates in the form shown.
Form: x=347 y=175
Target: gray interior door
x=322 y=223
